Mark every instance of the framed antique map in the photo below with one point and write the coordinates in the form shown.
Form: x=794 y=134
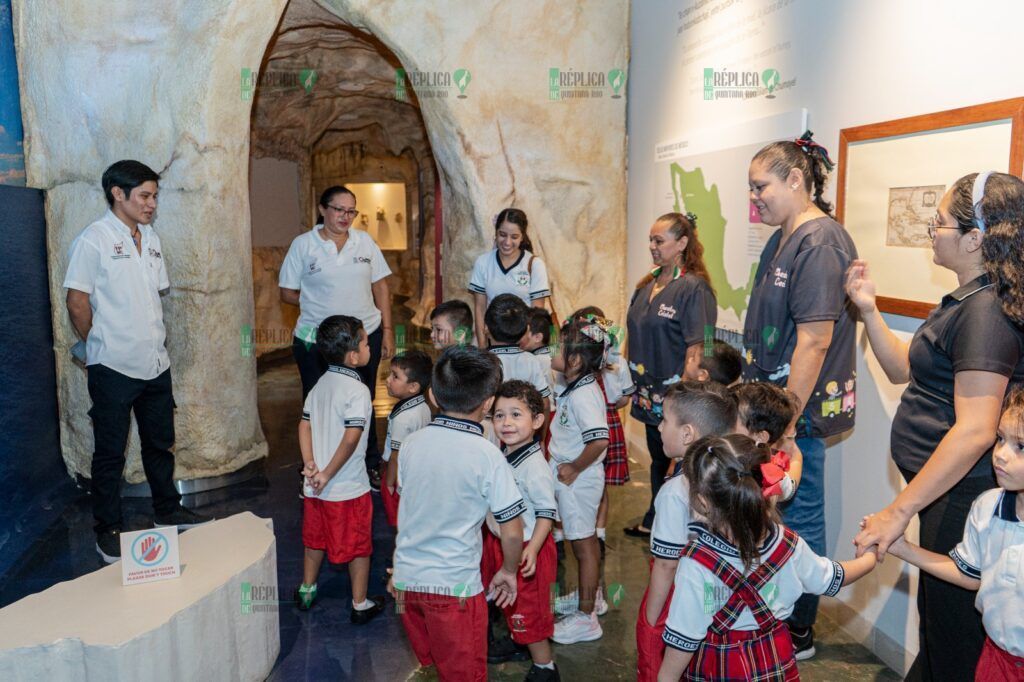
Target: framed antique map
x=892 y=176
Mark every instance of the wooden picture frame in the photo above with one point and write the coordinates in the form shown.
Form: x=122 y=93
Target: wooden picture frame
x=946 y=126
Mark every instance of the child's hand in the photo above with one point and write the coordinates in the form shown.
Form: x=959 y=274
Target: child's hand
x=309 y=469
x=898 y=546
x=502 y=588
x=528 y=565
x=567 y=473
x=391 y=587
x=318 y=481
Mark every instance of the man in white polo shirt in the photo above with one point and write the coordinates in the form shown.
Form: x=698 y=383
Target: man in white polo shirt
x=114 y=278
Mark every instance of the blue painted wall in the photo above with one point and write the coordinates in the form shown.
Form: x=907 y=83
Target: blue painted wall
x=12 y=157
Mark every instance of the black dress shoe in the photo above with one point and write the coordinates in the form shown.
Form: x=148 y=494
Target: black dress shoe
x=182 y=518
x=365 y=616
x=637 y=531
x=108 y=545
x=538 y=674
x=504 y=650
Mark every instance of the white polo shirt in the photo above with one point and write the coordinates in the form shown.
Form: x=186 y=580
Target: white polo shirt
x=581 y=417
x=528 y=282
x=449 y=477
x=993 y=551
x=670 y=531
x=618 y=382
x=518 y=364
x=536 y=484
x=124 y=286
x=699 y=594
x=339 y=401
x=332 y=282
x=407 y=417
x=543 y=355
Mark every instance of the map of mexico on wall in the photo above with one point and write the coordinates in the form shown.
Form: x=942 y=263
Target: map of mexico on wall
x=706 y=174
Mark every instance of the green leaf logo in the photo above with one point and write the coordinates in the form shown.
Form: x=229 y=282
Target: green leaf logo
x=770 y=335
x=616 y=593
x=770 y=78
x=462 y=78
x=616 y=78
x=308 y=78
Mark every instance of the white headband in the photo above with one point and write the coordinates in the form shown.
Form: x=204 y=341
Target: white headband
x=977 y=195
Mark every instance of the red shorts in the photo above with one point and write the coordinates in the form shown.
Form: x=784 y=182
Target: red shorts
x=490 y=558
x=447 y=632
x=390 y=500
x=342 y=529
x=531 y=618
x=650 y=647
x=998 y=665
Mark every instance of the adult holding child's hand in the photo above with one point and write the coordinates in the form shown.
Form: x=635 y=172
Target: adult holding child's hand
x=958 y=366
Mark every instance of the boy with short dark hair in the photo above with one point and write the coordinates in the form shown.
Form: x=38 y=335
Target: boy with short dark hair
x=718 y=362
x=506 y=322
x=450 y=476
x=451 y=323
x=407 y=382
x=537 y=340
x=337 y=515
x=691 y=410
x=518 y=415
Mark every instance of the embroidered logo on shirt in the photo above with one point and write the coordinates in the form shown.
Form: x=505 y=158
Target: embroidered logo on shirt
x=522 y=278
x=360 y=259
x=563 y=418
x=781 y=277
x=313 y=267
x=666 y=311
x=119 y=251
x=153 y=253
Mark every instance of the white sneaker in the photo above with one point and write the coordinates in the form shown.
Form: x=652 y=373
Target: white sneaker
x=600 y=605
x=577 y=627
x=567 y=604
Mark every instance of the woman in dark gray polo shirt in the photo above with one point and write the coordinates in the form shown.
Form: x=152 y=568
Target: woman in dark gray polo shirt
x=958 y=366
x=671 y=311
x=799 y=331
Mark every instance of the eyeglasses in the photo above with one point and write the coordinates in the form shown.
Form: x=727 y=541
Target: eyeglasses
x=933 y=226
x=349 y=212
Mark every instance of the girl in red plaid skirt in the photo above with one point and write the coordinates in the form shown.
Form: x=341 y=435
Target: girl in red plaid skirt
x=739 y=578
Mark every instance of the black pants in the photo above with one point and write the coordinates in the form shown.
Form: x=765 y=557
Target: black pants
x=114 y=397
x=659 y=468
x=951 y=633
x=312 y=366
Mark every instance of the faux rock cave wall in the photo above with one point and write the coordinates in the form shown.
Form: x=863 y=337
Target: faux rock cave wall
x=163 y=86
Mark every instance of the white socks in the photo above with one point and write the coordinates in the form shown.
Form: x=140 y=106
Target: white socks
x=367 y=604
x=600 y=534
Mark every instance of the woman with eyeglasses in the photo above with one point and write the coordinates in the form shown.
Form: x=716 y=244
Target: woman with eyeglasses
x=957 y=367
x=800 y=328
x=336 y=270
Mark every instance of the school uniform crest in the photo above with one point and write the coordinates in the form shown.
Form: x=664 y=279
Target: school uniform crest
x=522 y=278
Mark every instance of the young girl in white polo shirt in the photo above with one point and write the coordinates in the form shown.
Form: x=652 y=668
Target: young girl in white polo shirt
x=988 y=559
x=740 y=576
x=579 y=438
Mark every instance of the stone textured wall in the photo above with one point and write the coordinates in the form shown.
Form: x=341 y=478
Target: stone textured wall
x=163 y=86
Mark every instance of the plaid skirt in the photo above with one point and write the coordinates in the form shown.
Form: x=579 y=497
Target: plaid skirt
x=616 y=461
x=750 y=655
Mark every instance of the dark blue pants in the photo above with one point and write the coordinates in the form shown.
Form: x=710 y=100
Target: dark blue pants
x=805 y=515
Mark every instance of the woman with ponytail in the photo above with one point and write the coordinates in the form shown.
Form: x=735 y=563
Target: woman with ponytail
x=958 y=367
x=756 y=569
x=672 y=313
x=799 y=331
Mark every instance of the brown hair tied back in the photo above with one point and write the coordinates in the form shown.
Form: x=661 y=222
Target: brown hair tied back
x=516 y=217
x=810 y=157
x=684 y=225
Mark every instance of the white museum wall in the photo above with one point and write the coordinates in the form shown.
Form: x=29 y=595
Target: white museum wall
x=855 y=62
x=274 y=201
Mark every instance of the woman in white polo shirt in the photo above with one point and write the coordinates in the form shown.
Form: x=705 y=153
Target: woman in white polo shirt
x=336 y=270
x=509 y=268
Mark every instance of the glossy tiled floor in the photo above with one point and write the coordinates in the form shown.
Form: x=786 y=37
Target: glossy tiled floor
x=321 y=644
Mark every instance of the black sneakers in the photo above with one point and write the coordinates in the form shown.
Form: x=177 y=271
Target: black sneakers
x=108 y=544
x=182 y=518
x=803 y=642
x=504 y=650
x=365 y=616
x=538 y=674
